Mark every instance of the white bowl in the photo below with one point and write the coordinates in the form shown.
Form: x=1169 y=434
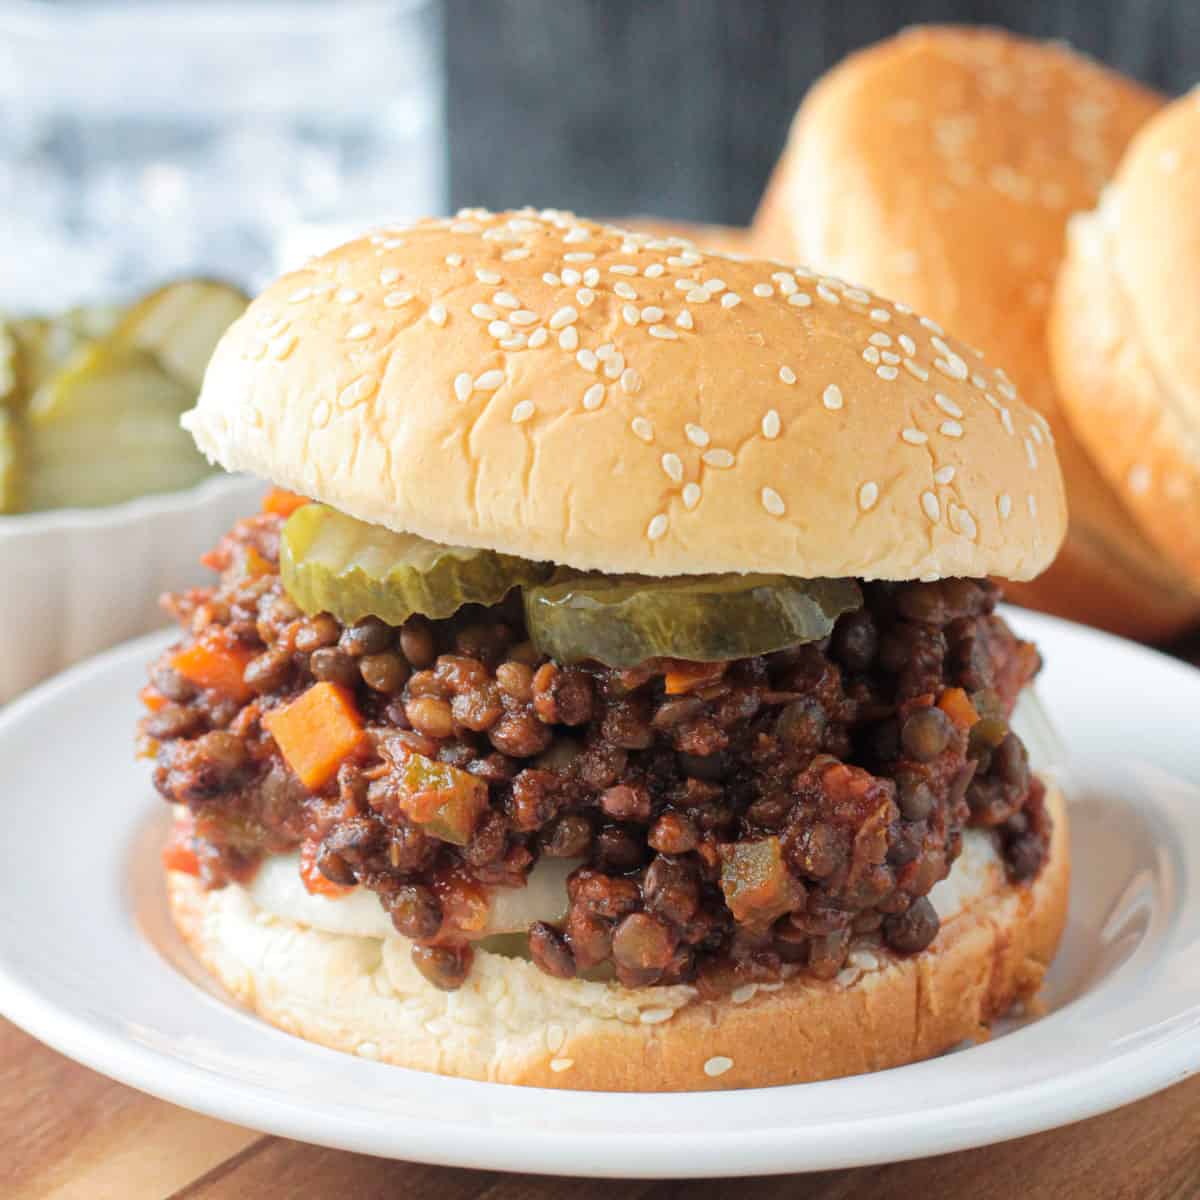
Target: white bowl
x=74 y=581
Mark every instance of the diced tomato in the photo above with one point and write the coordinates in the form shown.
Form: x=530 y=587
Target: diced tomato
x=179 y=853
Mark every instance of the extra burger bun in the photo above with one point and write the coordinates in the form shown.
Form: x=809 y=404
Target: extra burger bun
x=561 y=390
x=511 y=1023
x=940 y=168
x=1125 y=332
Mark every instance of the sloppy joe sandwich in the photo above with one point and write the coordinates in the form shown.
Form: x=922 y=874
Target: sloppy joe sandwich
x=611 y=693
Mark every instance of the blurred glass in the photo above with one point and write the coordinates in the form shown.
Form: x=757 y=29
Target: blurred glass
x=140 y=141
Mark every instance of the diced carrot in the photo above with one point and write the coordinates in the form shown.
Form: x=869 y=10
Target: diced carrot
x=152 y=698
x=317 y=732
x=314 y=882
x=178 y=854
x=688 y=676
x=956 y=704
x=282 y=503
x=216 y=661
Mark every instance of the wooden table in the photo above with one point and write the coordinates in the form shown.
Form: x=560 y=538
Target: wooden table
x=68 y=1132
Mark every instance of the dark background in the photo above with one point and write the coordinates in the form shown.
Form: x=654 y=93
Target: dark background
x=679 y=107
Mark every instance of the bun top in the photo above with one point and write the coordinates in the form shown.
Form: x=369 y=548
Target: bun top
x=562 y=390
x=1151 y=215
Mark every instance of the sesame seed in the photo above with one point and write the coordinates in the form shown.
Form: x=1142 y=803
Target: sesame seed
x=944 y=475
x=642 y=429
x=388 y=276
x=356 y=333
x=827 y=294
x=889 y=357
x=505 y=300
x=772 y=501
x=516 y=342
x=623 y=269
x=858 y=296
x=871 y=355
x=347 y=295
x=947 y=405
x=489 y=381
x=832 y=397
x=657 y=527
x=485 y=312
x=930 y=505
x=979 y=381
x=587 y=360
x=654 y=270
x=300 y=296
x=887 y=372
x=915 y=437
x=787 y=375
x=1032 y=505
x=691 y=495
x=488 y=277
x=697 y=296
x=880 y=339
x=881 y=315
x=771 y=425
x=661 y=331
x=713 y=286
x=673 y=465
x=1139 y=479
x=614 y=367
x=932 y=326
x=721 y=459
x=1007 y=421
x=799 y=300
x=522 y=411
x=1031 y=455
x=655 y=1016
x=561 y=1064
x=358 y=391
x=950 y=429
x=630 y=314
x=500 y=329
x=564 y=316
x=523 y=316
x=916 y=370
x=684 y=320
x=631 y=381
x=684 y=285
x=550 y=278
x=578 y=234
x=763 y=289
x=516 y=254
x=1004 y=506
x=585 y=296
x=462 y=385
x=868 y=494
x=717 y=1065
x=962 y=522
x=696 y=435
x=907 y=344
x=730 y=300
x=571 y=277
x=1036 y=434
x=568 y=339
x=437 y=314
x=591 y=277
x=624 y=290
x=579 y=256
x=593 y=397
x=787 y=282
x=452 y=260
x=538 y=338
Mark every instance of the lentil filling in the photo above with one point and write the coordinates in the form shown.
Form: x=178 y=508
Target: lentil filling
x=733 y=822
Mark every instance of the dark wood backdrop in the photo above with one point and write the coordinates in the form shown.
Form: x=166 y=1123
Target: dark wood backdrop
x=679 y=107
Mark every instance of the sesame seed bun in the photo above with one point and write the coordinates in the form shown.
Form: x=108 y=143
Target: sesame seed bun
x=562 y=390
x=510 y=1023
x=1125 y=329
x=941 y=167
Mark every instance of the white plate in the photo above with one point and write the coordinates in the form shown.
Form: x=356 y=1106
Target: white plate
x=90 y=964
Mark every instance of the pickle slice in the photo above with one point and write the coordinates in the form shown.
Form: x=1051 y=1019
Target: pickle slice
x=105 y=428
x=180 y=324
x=332 y=563
x=45 y=344
x=10 y=464
x=624 y=620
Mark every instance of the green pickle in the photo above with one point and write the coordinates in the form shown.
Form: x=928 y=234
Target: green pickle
x=105 y=428
x=332 y=563
x=443 y=800
x=10 y=464
x=180 y=324
x=622 y=620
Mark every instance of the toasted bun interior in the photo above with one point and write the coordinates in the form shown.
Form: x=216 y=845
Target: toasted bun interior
x=510 y=1023
x=562 y=390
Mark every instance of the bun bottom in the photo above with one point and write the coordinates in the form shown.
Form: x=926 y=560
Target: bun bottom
x=510 y=1023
